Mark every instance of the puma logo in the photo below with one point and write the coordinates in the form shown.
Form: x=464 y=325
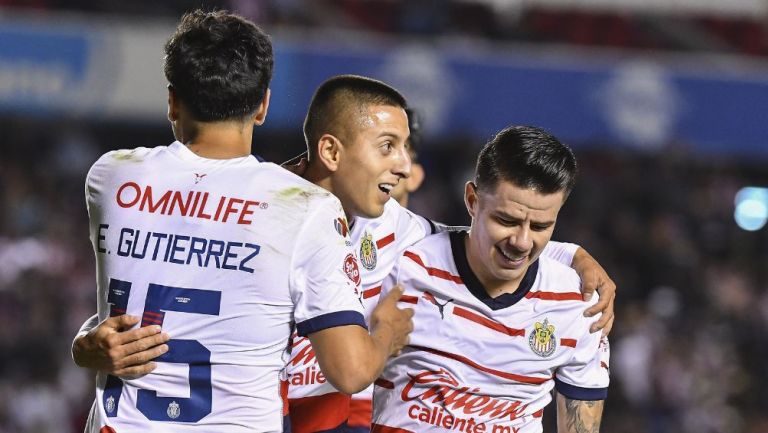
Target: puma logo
x=440 y=307
x=199 y=177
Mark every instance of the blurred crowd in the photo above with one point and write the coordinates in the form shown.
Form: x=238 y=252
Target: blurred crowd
x=688 y=348
x=513 y=20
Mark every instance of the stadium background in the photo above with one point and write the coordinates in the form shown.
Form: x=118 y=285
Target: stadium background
x=664 y=102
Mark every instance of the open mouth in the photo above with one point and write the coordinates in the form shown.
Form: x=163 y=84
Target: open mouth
x=515 y=259
x=386 y=188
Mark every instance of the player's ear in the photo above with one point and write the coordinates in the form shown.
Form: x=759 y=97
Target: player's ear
x=173 y=105
x=261 y=112
x=470 y=198
x=329 y=151
x=413 y=182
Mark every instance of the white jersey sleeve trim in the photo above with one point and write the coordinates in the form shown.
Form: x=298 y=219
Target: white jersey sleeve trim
x=325 y=276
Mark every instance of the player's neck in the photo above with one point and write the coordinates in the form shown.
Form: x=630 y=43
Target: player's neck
x=493 y=286
x=322 y=177
x=217 y=140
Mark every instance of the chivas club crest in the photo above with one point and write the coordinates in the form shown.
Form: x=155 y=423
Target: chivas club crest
x=110 y=406
x=542 y=339
x=173 y=410
x=368 y=252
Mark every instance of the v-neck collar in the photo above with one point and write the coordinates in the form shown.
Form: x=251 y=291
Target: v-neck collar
x=473 y=283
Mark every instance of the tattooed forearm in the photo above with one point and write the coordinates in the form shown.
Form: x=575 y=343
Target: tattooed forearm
x=577 y=416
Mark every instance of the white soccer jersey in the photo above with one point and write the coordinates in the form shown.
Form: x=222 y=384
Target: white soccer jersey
x=378 y=243
x=225 y=255
x=481 y=364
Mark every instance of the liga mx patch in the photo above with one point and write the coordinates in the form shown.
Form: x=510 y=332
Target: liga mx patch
x=341 y=226
x=368 y=256
x=542 y=339
x=351 y=269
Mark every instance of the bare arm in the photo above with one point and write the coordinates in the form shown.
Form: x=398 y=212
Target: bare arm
x=578 y=416
x=593 y=277
x=350 y=358
x=113 y=347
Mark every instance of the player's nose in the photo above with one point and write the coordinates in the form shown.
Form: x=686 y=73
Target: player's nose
x=402 y=166
x=521 y=239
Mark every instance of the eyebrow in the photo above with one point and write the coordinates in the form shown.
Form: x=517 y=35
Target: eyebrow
x=507 y=216
x=394 y=136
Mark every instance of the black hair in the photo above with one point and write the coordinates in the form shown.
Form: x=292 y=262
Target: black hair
x=338 y=94
x=219 y=65
x=414 y=126
x=528 y=157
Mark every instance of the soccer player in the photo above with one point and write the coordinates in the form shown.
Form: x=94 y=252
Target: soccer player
x=348 y=154
x=224 y=253
x=356 y=132
x=496 y=325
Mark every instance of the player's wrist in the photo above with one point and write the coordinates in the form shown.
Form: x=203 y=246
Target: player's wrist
x=79 y=349
x=384 y=338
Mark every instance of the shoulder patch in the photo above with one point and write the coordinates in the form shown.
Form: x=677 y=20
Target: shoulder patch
x=351 y=269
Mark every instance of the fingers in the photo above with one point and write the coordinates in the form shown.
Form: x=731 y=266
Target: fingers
x=609 y=326
x=606 y=320
x=135 y=371
x=146 y=344
x=126 y=337
x=607 y=291
x=607 y=286
x=142 y=357
x=123 y=355
x=124 y=321
x=588 y=288
x=393 y=296
x=603 y=305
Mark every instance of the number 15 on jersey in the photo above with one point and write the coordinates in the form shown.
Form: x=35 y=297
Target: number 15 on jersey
x=161 y=300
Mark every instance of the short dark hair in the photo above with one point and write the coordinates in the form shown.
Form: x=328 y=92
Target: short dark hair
x=528 y=157
x=341 y=93
x=219 y=65
x=414 y=127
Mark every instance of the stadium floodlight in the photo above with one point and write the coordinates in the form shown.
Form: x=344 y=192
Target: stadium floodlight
x=751 y=212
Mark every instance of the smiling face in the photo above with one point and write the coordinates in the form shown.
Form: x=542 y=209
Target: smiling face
x=373 y=159
x=510 y=227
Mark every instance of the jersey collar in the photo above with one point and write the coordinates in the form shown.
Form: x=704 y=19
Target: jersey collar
x=182 y=151
x=476 y=288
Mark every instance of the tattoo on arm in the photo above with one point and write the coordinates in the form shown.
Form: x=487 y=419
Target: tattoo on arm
x=577 y=416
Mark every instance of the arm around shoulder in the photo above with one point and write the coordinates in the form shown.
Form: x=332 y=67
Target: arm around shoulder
x=113 y=347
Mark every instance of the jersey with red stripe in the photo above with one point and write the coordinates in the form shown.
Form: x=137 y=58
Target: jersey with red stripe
x=481 y=364
x=314 y=404
x=378 y=242
x=228 y=256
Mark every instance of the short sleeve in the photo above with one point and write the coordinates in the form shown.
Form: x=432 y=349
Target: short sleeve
x=586 y=376
x=325 y=275
x=563 y=252
x=410 y=228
